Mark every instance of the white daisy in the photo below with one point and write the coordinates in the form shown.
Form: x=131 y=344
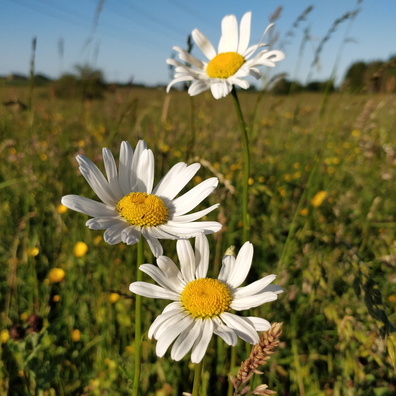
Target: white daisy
x=201 y=306
x=132 y=207
x=233 y=62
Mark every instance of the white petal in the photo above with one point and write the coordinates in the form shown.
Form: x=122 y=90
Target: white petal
x=170 y=335
x=87 y=206
x=177 y=80
x=175 y=180
x=168 y=267
x=274 y=289
x=201 y=344
x=111 y=172
x=113 y=234
x=158 y=232
x=198 y=87
x=259 y=324
x=195 y=215
x=102 y=223
x=161 y=321
x=220 y=89
x=97 y=181
x=252 y=49
x=229 y=34
x=186 y=340
x=255 y=73
x=228 y=263
x=241 y=326
x=190 y=230
x=248 y=302
x=201 y=255
x=154 y=244
x=195 y=196
x=175 y=306
x=227 y=334
x=159 y=277
x=153 y=291
x=130 y=235
x=171 y=322
x=188 y=58
x=186 y=258
x=145 y=172
x=204 y=44
x=241 y=83
x=244 y=33
x=254 y=287
x=136 y=163
x=242 y=265
x=125 y=163
x=268 y=58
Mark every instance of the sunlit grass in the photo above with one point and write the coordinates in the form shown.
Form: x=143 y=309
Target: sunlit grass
x=321 y=211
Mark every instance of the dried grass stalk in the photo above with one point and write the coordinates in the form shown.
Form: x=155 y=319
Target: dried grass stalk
x=259 y=356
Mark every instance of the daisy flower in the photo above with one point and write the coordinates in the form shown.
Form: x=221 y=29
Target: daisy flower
x=230 y=65
x=202 y=306
x=132 y=208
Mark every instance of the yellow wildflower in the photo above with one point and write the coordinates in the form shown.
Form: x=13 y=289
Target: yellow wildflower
x=318 y=198
x=304 y=212
x=56 y=275
x=33 y=251
x=4 y=336
x=114 y=297
x=61 y=209
x=80 y=249
x=76 y=335
x=97 y=240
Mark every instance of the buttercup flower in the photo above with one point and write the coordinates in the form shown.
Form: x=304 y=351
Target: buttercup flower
x=230 y=65
x=201 y=306
x=132 y=207
x=80 y=249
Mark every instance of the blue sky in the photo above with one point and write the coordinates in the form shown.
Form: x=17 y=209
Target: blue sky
x=132 y=38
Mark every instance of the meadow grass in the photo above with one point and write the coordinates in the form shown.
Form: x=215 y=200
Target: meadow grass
x=334 y=253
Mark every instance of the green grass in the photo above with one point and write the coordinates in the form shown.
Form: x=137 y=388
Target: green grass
x=335 y=261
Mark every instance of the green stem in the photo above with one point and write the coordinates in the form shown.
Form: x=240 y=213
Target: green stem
x=246 y=168
x=138 y=320
x=191 y=143
x=197 y=378
x=245 y=198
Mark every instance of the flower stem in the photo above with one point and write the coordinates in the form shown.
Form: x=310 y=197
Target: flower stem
x=245 y=197
x=138 y=320
x=246 y=168
x=197 y=378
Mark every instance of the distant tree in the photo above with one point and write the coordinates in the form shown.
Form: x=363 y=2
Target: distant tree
x=320 y=86
x=87 y=84
x=284 y=86
x=91 y=81
x=41 y=79
x=355 y=77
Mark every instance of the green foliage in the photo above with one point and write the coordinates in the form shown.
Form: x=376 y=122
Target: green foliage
x=376 y=76
x=335 y=258
x=88 y=84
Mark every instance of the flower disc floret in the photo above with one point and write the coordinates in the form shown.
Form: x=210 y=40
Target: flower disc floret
x=206 y=298
x=143 y=210
x=225 y=65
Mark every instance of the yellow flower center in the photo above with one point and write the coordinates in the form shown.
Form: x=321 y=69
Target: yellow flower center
x=206 y=298
x=141 y=209
x=225 y=65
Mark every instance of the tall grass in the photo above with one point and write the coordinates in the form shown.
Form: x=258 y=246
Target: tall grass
x=335 y=258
